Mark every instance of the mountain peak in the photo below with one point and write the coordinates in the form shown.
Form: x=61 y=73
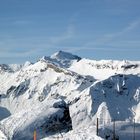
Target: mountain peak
x=64 y=55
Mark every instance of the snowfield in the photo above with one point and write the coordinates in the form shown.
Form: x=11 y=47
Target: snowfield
x=61 y=97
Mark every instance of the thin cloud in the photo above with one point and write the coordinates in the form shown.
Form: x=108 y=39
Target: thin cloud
x=110 y=39
x=21 y=22
x=108 y=49
x=64 y=36
x=132 y=25
x=34 y=48
x=16 y=54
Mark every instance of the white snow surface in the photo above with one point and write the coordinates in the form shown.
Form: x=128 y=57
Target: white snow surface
x=2 y=136
x=78 y=134
x=105 y=89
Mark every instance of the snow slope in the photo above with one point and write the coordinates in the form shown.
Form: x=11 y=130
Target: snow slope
x=2 y=136
x=83 y=91
x=79 y=134
x=105 y=68
x=35 y=118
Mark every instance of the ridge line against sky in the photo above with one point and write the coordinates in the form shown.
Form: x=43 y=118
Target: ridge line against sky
x=97 y=29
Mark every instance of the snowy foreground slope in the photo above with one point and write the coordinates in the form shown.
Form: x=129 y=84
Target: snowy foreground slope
x=61 y=97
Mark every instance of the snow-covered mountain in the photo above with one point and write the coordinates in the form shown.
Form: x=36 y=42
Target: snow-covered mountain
x=62 y=59
x=63 y=95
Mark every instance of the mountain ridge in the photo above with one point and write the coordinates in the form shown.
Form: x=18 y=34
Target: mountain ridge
x=90 y=89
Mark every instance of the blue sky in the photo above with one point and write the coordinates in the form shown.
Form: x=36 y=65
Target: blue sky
x=97 y=29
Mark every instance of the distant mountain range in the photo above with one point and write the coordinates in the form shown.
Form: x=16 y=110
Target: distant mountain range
x=64 y=94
